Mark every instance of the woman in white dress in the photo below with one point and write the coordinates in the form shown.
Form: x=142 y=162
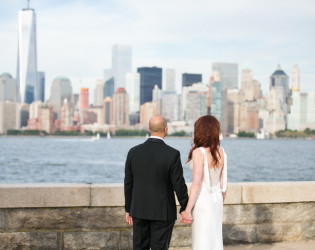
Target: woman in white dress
x=205 y=206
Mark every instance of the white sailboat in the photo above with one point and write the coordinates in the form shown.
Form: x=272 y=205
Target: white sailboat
x=97 y=137
x=108 y=135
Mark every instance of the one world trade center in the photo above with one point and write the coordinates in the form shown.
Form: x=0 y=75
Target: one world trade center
x=27 y=57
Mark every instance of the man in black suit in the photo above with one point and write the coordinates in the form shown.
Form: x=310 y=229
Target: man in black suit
x=153 y=172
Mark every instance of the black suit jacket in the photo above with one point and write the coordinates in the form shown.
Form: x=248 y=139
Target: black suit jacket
x=153 y=171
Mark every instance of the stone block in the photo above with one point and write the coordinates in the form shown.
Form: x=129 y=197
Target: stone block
x=91 y=240
x=30 y=240
x=308 y=230
x=278 y=232
x=3 y=222
x=66 y=218
x=107 y=195
x=278 y=192
x=181 y=237
x=125 y=242
x=239 y=234
x=44 y=195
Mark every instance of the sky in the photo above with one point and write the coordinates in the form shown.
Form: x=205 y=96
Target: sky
x=74 y=37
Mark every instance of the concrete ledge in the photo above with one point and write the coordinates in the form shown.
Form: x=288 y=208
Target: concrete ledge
x=44 y=195
x=277 y=192
x=112 y=195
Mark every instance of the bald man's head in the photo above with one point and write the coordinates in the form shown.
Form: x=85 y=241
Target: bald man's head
x=157 y=125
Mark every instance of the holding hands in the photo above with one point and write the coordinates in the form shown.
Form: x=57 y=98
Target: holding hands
x=186 y=217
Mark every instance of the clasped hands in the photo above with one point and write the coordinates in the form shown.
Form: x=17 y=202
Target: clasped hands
x=186 y=217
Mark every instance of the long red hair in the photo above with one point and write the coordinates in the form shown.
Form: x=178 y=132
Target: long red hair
x=207 y=134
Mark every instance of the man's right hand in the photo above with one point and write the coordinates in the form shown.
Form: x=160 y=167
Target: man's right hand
x=129 y=219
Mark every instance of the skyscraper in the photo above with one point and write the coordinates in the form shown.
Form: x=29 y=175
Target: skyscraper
x=60 y=89
x=170 y=80
x=189 y=79
x=98 y=93
x=27 y=57
x=295 y=79
x=8 y=88
x=41 y=86
x=121 y=108
x=228 y=74
x=84 y=98
x=121 y=64
x=148 y=78
x=109 y=88
x=133 y=90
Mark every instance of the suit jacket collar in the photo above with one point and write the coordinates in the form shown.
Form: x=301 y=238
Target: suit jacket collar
x=155 y=140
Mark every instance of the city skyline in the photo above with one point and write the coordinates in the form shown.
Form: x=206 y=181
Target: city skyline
x=179 y=40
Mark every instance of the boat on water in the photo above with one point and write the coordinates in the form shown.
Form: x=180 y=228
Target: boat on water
x=97 y=137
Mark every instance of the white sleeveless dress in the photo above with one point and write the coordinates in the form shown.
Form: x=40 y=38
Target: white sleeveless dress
x=208 y=210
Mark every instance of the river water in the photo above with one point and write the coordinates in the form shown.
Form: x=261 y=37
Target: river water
x=76 y=159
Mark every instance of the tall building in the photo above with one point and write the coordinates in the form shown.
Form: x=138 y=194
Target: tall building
x=109 y=86
x=196 y=87
x=8 y=88
x=295 y=79
x=121 y=108
x=60 y=89
x=250 y=87
x=170 y=80
x=147 y=110
x=148 y=78
x=228 y=74
x=98 y=93
x=84 y=98
x=196 y=105
x=217 y=101
x=108 y=111
x=41 y=86
x=66 y=116
x=27 y=56
x=8 y=116
x=248 y=117
x=121 y=64
x=171 y=106
x=190 y=79
x=280 y=81
x=157 y=98
x=302 y=111
x=133 y=90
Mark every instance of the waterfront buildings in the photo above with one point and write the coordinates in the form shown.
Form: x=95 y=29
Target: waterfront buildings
x=66 y=117
x=121 y=108
x=148 y=78
x=250 y=87
x=189 y=79
x=8 y=88
x=98 y=93
x=170 y=80
x=60 y=89
x=41 y=117
x=133 y=90
x=196 y=105
x=27 y=78
x=121 y=64
x=228 y=74
x=84 y=98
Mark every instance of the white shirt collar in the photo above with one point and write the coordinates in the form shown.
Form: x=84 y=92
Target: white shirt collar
x=156 y=137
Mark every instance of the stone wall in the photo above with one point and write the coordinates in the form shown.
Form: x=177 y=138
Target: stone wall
x=91 y=216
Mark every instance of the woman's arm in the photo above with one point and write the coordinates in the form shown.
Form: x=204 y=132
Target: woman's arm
x=223 y=176
x=198 y=161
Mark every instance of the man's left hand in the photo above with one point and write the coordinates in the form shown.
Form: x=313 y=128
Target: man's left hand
x=129 y=219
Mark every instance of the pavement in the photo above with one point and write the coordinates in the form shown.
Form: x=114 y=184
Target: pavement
x=308 y=245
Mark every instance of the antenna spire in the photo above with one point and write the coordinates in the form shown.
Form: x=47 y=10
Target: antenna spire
x=28 y=4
